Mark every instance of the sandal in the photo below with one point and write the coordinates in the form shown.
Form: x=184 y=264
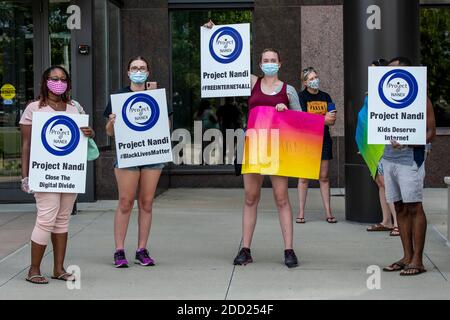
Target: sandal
x=300 y=220
x=411 y=267
x=331 y=220
x=378 y=227
x=64 y=277
x=32 y=279
x=396 y=266
x=395 y=232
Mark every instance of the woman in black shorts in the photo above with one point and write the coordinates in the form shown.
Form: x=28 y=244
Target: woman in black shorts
x=316 y=101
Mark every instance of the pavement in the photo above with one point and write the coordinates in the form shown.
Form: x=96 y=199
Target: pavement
x=195 y=236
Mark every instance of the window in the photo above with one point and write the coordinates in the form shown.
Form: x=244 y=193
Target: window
x=16 y=83
x=59 y=34
x=187 y=104
x=435 y=53
x=107 y=59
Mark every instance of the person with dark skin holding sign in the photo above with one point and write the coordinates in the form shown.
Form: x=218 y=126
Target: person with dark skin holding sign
x=142 y=180
x=404 y=173
x=53 y=209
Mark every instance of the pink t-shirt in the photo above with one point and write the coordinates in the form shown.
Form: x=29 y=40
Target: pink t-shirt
x=27 y=115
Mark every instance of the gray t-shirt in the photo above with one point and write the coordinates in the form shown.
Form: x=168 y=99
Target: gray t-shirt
x=406 y=155
x=401 y=156
x=294 y=101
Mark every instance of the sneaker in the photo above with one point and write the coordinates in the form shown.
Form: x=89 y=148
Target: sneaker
x=244 y=256
x=290 y=259
x=143 y=258
x=120 y=261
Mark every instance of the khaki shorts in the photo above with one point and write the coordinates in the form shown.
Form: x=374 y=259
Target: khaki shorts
x=403 y=182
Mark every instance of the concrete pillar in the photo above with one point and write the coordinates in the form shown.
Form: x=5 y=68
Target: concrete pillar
x=372 y=29
x=447 y=181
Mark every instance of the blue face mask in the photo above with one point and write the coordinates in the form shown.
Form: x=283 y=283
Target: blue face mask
x=314 y=84
x=270 y=69
x=138 y=77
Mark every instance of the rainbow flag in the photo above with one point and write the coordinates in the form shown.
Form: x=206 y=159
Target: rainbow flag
x=371 y=153
x=287 y=143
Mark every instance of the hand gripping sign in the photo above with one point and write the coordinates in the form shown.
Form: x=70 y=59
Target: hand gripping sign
x=142 y=128
x=225 y=61
x=58 y=152
x=397 y=105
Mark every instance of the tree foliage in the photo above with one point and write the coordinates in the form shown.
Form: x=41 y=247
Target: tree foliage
x=435 y=52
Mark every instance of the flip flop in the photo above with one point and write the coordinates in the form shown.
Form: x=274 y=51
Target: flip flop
x=300 y=220
x=331 y=220
x=394 y=232
x=392 y=268
x=61 y=277
x=30 y=279
x=420 y=270
x=378 y=227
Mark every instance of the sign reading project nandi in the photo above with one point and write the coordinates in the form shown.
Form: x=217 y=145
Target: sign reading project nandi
x=142 y=128
x=397 y=105
x=225 y=61
x=58 y=153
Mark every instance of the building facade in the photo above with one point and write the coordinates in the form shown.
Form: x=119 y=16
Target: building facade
x=95 y=39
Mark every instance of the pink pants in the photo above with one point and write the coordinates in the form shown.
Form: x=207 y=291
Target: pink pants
x=53 y=215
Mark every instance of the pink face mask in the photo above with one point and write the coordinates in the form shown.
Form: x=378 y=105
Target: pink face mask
x=57 y=87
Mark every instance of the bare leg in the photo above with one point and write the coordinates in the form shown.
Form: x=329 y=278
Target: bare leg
x=394 y=214
x=252 y=186
x=37 y=253
x=127 y=182
x=385 y=207
x=324 y=182
x=280 y=193
x=405 y=225
x=59 y=241
x=147 y=188
x=302 y=193
x=419 y=228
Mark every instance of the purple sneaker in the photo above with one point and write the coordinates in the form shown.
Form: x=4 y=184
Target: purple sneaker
x=143 y=258
x=120 y=261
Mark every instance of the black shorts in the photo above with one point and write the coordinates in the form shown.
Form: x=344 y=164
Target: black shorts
x=327 y=150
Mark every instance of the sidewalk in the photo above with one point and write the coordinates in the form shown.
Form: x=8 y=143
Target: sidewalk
x=195 y=236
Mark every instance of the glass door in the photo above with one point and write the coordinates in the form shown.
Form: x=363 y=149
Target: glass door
x=33 y=36
x=16 y=86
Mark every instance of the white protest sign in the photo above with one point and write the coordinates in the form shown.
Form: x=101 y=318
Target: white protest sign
x=225 y=61
x=142 y=128
x=397 y=105
x=58 y=152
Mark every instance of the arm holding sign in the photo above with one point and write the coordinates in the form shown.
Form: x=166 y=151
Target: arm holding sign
x=431 y=121
x=431 y=127
x=110 y=125
x=26 y=146
x=88 y=132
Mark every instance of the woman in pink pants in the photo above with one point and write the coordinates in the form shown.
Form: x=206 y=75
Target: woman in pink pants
x=53 y=209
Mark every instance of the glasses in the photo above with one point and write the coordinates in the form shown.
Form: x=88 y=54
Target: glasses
x=140 y=69
x=57 y=79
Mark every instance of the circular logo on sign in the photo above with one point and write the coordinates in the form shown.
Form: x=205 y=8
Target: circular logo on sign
x=8 y=91
x=398 y=89
x=225 y=45
x=60 y=135
x=140 y=112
